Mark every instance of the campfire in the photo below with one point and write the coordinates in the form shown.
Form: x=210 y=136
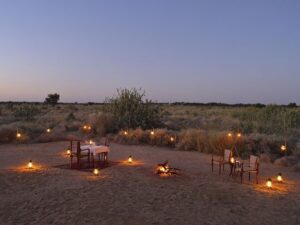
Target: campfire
x=164 y=169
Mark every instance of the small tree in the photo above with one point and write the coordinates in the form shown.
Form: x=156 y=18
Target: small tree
x=52 y=99
x=130 y=110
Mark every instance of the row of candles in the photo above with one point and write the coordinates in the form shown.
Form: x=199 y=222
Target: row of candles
x=19 y=134
x=152 y=133
x=130 y=160
x=283 y=147
x=49 y=130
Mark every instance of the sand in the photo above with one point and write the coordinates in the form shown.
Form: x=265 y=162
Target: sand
x=134 y=194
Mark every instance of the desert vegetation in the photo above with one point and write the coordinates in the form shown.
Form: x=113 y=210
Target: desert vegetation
x=129 y=118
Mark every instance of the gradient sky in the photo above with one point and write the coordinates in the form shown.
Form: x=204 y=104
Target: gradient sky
x=196 y=51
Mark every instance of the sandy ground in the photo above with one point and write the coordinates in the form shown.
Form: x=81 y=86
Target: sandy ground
x=133 y=194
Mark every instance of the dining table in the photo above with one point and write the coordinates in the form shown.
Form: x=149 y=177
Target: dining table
x=97 y=150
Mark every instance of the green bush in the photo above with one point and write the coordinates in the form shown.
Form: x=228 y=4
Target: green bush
x=272 y=119
x=52 y=99
x=130 y=110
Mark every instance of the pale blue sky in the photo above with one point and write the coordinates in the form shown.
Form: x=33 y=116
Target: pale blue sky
x=196 y=51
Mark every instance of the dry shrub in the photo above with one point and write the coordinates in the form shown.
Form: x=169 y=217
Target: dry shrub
x=57 y=134
x=160 y=137
x=7 y=134
x=193 y=139
x=102 y=123
x=136 y=136
x=202 y=141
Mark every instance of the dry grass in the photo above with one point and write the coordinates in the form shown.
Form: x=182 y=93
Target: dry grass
x=196 y=128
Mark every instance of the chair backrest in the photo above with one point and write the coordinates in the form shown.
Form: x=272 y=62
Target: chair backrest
x=254 y=161
x=227 y=155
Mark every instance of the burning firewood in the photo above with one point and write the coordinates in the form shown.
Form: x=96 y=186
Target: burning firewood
x=164 y=169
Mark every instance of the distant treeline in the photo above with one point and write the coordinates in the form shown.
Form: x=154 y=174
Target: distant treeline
x=257 y=105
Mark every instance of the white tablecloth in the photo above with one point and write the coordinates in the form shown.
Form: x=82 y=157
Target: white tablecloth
x=95 y=149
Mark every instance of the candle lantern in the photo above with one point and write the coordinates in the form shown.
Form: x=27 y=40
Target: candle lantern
x=152 y=132
x=172 y=139
x=96 y=172
x=279 y=177
x=269 y=183
x=283 y=148
x=130 y=159
x=125 y=133
x=30 y=164
x=239 y=135
x=18 y=135
x=232 y=160
x=229 y=134
x=48 y=130
x=68 y=151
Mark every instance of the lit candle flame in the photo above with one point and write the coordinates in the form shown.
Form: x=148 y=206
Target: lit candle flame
x=269 y=183
x=283 y=148
x=96 y=172
x=130 y=159
x=30 y=164
x=279 y=177
x=232 y=160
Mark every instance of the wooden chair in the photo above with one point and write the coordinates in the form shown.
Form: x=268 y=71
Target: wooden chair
x=221 y=160
x=106 y=143
x=251 y=167
x=79 y=154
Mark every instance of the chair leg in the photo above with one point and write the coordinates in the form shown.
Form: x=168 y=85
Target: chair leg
x=256 y=177
x=220 y=168
x=93 y=160
x=78 y=162
x=241 y=177
x=249 y=176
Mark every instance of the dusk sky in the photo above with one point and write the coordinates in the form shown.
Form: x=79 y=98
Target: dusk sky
x=194 y=51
